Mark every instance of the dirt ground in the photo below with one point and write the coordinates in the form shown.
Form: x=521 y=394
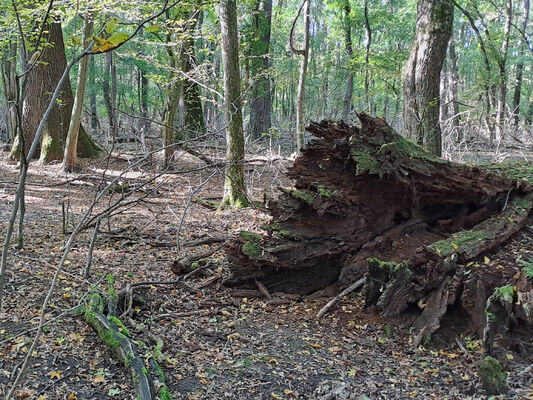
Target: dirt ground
x=215 y=346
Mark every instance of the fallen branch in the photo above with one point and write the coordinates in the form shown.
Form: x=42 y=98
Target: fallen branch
x=117 y=338
x=354 y=286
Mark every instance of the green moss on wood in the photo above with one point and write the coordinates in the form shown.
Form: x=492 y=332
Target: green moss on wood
x=493 y=376
x=158 y=351
x=300 y=195
x=51 y=148
x=108 y=336
x=454 y=243
x=323 y=191
x=512 y=170
x=164 y=394
x=365 y=163
x=252 y=250
x=111 y=286
x=119 y=325
x=505 y=293
x=388 y=265
x=250 y=236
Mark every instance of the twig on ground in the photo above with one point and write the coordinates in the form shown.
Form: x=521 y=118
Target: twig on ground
x=354 y=286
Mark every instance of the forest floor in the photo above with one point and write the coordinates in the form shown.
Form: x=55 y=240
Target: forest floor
x=215 y=346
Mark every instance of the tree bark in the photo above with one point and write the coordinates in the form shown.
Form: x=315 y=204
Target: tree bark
x=9 y=73
x=190 y=101
x=367 y=203
x=422 y=78
x=347 y=27
x=260 y=93
x=304 y=53
x=40 y=83
x=70 y=158
x=95 y=123
x=502 y=69
x=520 y=67
x=109 y=87
x=234 y=185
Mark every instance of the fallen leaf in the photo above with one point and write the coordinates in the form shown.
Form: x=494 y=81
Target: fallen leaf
x=55 y=374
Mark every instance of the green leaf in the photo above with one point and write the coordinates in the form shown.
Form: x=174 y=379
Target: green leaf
x=153 y=28
x=76 y=41
x=118 y=38
x=113 y=392
x=111 y=25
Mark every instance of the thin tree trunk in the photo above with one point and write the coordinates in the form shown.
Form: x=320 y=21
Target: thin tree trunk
x=190 y=102
x=109 y=86
x=368 y=33
x=520 y=67
x=95 y=124
x=234 y=186
x=453 y=85
x=502 y=69
x=304 y=53
x=347 y=26
x=260 y=93
x=485 y=79
x=9 y=74
x=421 y=84
x=70 y=158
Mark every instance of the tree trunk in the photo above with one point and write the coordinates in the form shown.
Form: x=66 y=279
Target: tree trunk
x=367 y=203
x=260 y=93
x=520 y=67
x=453 y=84
x=502 y=69
x=190 y=101
x=422 y=78
x=95 y=123
x=304 y=53
x=368 y=38
x=9 y=73
x=70 y=158
x=40 y=83
x=234 y=186
x=109 y=86
x=347 y=26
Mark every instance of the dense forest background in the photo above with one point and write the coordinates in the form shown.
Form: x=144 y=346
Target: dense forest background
x=170 y=72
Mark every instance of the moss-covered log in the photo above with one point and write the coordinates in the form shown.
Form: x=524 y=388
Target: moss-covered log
x=118 y=339
x=367 y=202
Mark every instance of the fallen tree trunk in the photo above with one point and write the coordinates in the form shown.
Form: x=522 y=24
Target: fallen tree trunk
x=368 y=203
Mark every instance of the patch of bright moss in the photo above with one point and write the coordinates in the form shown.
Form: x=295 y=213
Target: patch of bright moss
x=505 y=293
x=164 y=394
x=250 y=236
x=365 y=163
x=389 y=265
x=252 y=250
x=119 y=325
x=158 y=354
x=298 y=194
x=454 y=243
x=308 y=198
x=127 y=359
x=493 y=376
x=111 y=286
x=108 y=336
x=512 y=170
x=323 y=191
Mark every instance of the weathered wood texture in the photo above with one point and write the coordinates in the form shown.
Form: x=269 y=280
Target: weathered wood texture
x=368 y=203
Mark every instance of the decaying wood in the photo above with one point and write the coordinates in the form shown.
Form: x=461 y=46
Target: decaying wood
x=369 y=205
x=184 y=264
x=123 y=347
x=353 y=287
